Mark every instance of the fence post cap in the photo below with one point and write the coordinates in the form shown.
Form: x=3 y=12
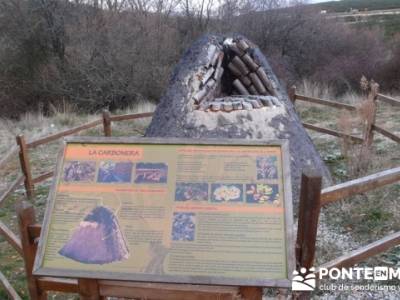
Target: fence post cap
x=22 y=205
x=312 y=173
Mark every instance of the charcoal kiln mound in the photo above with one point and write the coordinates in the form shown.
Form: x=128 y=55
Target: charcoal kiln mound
x=97 y=240
x=224 y=87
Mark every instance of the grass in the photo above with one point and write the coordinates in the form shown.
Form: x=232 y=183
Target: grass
x=344 y=225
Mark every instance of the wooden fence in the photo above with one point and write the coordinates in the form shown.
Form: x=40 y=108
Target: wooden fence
x=361 y=185
x=313 y=198
x=354 y=187
x=26 y=178
x=370 y=126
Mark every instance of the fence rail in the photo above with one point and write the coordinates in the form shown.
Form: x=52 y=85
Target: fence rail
x=389 y=100
x=386 y=133
x=8 y=287
x=61 y=134
x=330 y=103
x=359 y=185
x=353 y=138
x=364 y=253
x=10 y=237
x=62 y=285
x=14 y=185
x=43 y=177
x=370 y=126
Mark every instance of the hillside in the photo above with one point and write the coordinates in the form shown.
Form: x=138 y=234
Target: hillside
x=346 y=5
x=389 y=23
x=365 y=14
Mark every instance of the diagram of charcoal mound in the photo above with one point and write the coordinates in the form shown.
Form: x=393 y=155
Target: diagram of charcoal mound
x=97 y=240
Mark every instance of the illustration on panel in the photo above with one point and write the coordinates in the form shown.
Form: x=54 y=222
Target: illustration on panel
x=262 y=193
x=97 y=240
x=226 y=192
x=151 y=173
x=266 y=167
x=110 y=172
x=79 y=171
x=183 y=226
x=191 y=192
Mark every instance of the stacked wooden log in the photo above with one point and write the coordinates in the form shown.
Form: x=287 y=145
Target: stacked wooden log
x=251 y=78
x=231 y=103
x=211 y=76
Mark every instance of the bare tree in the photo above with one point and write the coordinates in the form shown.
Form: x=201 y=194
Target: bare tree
x=110 y=53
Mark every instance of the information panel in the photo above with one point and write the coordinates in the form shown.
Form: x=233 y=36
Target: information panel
x=170 y=211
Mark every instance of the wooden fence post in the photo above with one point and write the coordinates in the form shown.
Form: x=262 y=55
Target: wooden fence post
x=106 y=123
x=25 y=166
x=26 y=217
x=371 y=118
x=309 y=210
x=88 y=289
x=292 y=94
x=366 y=147
x=251 y=293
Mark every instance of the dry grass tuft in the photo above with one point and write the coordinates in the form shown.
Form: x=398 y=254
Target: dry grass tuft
x=315 y=89
x=359 y=157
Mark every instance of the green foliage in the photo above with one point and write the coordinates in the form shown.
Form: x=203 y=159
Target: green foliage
x=346 y=5
x=375 y=216
x=336 y=162
x=389 y=23
x=392 y=257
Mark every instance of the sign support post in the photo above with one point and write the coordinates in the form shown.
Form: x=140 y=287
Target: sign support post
x=309 y=210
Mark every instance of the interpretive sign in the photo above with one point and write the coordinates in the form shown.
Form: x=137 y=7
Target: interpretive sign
x=170 y=211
